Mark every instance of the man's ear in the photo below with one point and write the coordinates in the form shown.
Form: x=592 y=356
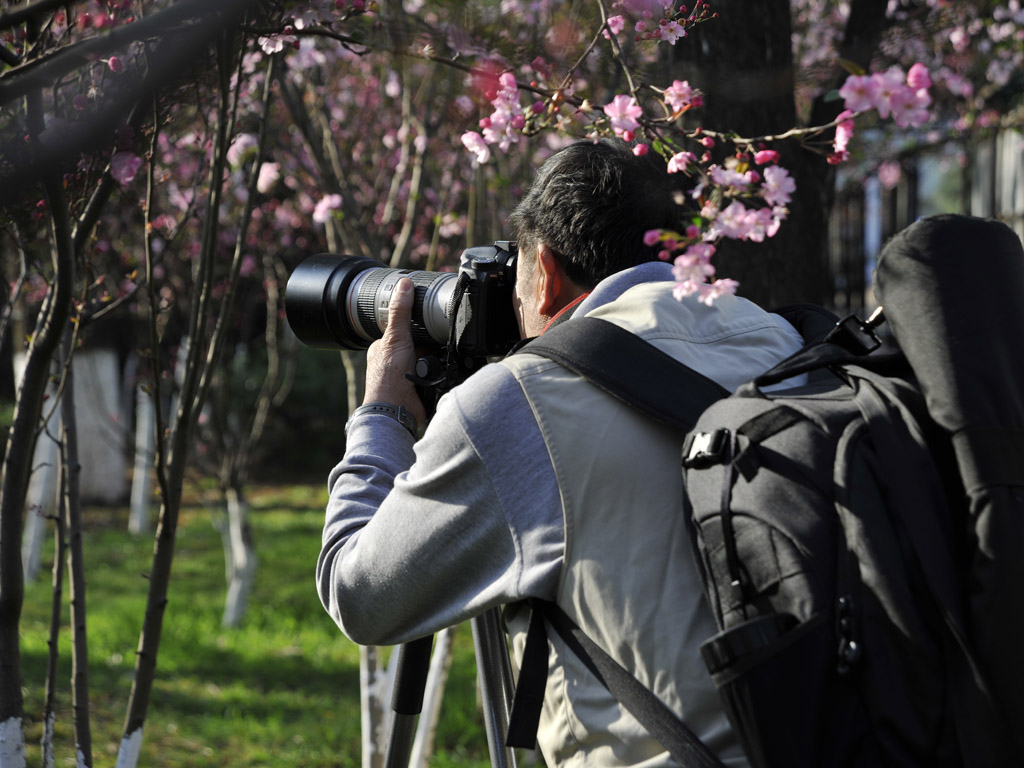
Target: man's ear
x=552 y=283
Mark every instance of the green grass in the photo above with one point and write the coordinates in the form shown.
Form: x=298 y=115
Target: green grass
x=280 y=690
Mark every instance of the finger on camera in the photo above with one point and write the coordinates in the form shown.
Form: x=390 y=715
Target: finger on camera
x=400 y=305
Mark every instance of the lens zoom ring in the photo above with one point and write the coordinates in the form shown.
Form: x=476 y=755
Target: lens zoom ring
x=368 y=298
x=366 y=303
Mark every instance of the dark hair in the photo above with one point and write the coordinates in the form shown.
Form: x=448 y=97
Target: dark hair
x=591 y=204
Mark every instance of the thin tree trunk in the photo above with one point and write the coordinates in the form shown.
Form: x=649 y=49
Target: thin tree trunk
x=355 y=377
x=240 y=555
x=41 y=499
x=15 y=474
x=145 y=453
x=375 y=683
x=241 y=562
x=196 y=382
x=189 y=404
x=53 y=655
x=437 y=676
x=72 y=509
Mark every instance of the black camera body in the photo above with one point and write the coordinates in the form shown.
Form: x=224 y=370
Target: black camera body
x=334 y=301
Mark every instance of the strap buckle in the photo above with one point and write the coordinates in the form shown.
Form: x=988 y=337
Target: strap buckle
x=857 y=336
x=703 y=449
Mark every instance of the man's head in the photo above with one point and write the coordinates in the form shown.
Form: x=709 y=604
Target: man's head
x=585 y=217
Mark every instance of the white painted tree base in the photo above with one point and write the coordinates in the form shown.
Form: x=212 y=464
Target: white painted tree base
x=12 y=743
x=131 y=746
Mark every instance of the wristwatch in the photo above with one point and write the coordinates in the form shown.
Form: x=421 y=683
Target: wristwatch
x=399 y=413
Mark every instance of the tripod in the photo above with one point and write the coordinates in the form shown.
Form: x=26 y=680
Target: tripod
x=494 y=673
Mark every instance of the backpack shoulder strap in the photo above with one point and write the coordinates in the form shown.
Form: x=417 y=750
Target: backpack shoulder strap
x=637 y=373
x=629 y=368
x=650 y=711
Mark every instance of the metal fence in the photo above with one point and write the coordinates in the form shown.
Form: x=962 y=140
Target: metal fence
x=984 y=178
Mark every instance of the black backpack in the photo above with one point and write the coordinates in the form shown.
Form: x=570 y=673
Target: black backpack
x=860 y=537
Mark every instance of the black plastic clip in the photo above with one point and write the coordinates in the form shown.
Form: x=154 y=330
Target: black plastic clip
x=702 y=449
x=857 y=336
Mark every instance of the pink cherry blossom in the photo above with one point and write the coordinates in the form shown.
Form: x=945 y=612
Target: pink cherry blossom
x=277 y=43
x=766 y=156
x=859 y=93
x=325 y=208
x=844 y=132
x=891 y=91
x=115 y=63
x=778 y=186
x=475 y=143
x=733 y=222
x=724 y=287
x=672 y=32
x=918 y=77
x=623 y=111
x=725 y=177
x=640 y=150
x=240 y=147
x=680 y=161
x=761 y=223
x=616 y=24
x=693 y=267
x=124 y=166
x=248 y=266
x=889 y=174
x=679 y=95
x=269 y=174
x=912 y=108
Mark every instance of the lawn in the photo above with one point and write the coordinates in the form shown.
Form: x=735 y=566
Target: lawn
x=280 y=690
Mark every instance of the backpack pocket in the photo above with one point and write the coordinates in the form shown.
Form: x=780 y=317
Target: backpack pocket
x=783 y=694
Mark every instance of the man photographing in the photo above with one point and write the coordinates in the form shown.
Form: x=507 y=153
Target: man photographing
x=531 y=482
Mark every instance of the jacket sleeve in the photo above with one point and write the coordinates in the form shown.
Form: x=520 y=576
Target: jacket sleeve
x=417 y=538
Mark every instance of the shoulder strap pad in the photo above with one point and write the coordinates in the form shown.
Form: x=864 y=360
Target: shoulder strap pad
x=629 y=368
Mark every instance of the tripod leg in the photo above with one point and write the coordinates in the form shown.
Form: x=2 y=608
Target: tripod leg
x=407 y=700
x=494 y=672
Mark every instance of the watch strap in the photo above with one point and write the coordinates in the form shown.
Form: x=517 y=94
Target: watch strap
x=399 y=413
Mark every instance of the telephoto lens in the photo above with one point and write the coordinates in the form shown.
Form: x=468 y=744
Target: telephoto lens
x=336 y=301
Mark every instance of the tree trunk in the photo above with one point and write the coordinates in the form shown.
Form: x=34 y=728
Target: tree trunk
x=50 y=701
x=15 y=475
x=437 y=676
x=196 y=371
x=355 y=377
x=374 y=687
x=41 y=499
x=745 y=67
x=97 y=392
x=145 y=454
x=71 y=504
x=239 y=555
